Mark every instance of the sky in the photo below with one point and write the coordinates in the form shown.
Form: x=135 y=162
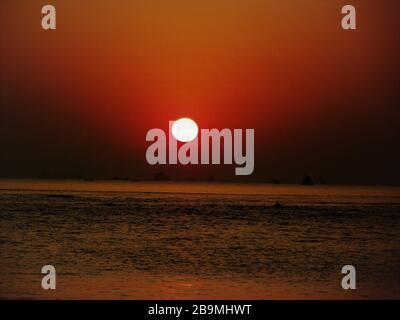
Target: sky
x=78 y=101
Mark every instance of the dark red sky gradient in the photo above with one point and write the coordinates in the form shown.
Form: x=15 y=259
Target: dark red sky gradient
x=78 y=101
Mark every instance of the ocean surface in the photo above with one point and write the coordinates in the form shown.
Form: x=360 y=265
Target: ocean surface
x=144 y=240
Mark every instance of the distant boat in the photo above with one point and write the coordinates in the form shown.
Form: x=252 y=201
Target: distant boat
x=307 y=181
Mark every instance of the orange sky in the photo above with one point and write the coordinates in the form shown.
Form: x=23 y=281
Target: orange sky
x=79 y=100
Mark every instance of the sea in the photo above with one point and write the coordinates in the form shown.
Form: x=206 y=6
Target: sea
x=181 y=240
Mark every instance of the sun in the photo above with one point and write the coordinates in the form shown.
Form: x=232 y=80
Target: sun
x=185 y=130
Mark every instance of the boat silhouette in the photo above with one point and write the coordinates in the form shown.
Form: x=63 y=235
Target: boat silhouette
x=307 y=181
